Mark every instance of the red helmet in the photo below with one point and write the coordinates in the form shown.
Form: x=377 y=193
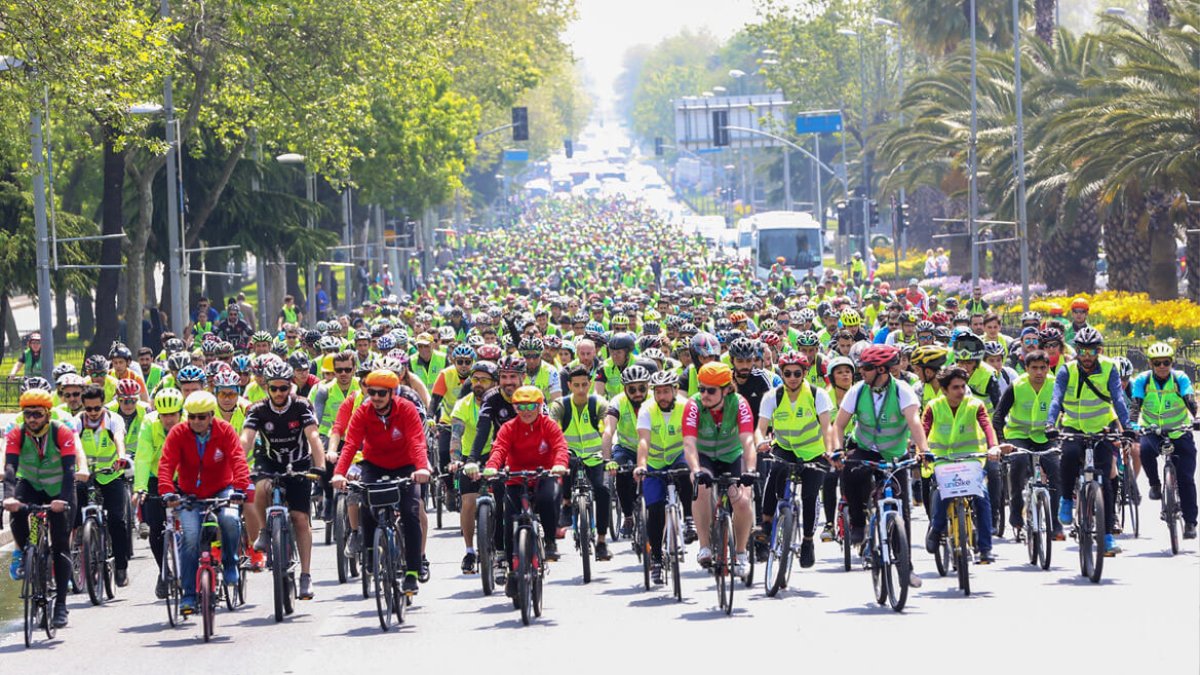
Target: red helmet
x=883 y=356
x=939 y=318
x=489 y=352
x=127 y=388
x=793 y=359
x=770 y=338
x=511 y=364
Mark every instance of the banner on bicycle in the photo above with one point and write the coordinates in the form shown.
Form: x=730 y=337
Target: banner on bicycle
x=959 y=479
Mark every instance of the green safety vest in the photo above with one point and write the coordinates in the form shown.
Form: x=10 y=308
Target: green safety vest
x=133 y=429
x=290 y=314
x=151 y=440
x=693 y=381
x=720 y=443
x=955 y=431
x=612 y=379
x=1027 y=420
x=254 y=393
x=627 y=436
x=1082 y=409
x=32 y=365
x=153 y=378
x=797 y=428
x=428 y=374
x=43 y=470
x=450 y=398
x=467 y=410
x=202 y=327
x=928 y=393
x=887 y=434
x=979 y=382
x=333 y=401
x=581 y=427
x=1164 y=407
x=541 y=380
x=666 y=435
x=100 y=450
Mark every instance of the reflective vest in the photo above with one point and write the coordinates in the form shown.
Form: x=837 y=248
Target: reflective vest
x=453 y=386
x=1164 y=406
x=100 y=449
x=693 y=381
x=201 y=327
x=980 y=380
x=887 y=433
x=132 y=429
x=467 y=410
x=333 y=401
x=581 y=427
x=796 y=426
x=612 y=379
x=956 y=431
x=720 y=443
x=32 y=363
x=254 y=393
x=42 y=469
x=541 y=380
x=666 y=435
x=145 y=466
x=813 y=376
x=627 y=436
x=1027 y=419
x=237 y=419
x=928 y=393
x=290 y=314
x=154 y=377
x=1082 y=409
x=428 y=374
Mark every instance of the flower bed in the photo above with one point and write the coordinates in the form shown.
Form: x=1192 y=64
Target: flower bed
x=1130 y=314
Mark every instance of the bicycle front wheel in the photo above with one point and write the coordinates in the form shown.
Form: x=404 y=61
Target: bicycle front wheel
x=962 y=544
x=780 y=553
x=93 y=555
x=844 y=518
x=524 y=570
x=729 y=547
x=29 y=591
x=1170 y=504
x=1045 y=534
x=170 y=576
x=898 y=566
x=483 y=545
x=1091 y=533
x=204 y=588
x=384 y=576
x=583 y=535
x=641 y=544
x=279 y=567
x=673 y=555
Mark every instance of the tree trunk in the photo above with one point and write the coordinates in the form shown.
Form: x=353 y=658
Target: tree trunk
x=164 y=295
x=215 y=261
x=1127 y=248
x=1157 y=14
x=1044 y=11
x=136 y=278
x=292 y=273
x=112 y=222
x=87 y=316
x=5 y=312
x=276 y=285
x=1193 y=255
x=1164 y=265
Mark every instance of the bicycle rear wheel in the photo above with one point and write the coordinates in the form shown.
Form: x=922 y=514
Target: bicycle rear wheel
x=874 y=553
x=780 y=553
x=539 y=572
x=1031 y=513
x=962 y=545
x=438 y=486
x=279 y=567
x=1135 y=500
x=170 y=575
x=204 y=588
x=1091 y=533
x=483 y=545
x=673 y=555
x=1000 y=503
x=844 y=517
x=729 y=549
x=400 y=599
x=384 y=575
x=29 y=591
x=583 y=534
x=899 y=566
x=92 y=555
x=525 y=574
x=641 y=544
x=1170 y=504
x=1045 y=535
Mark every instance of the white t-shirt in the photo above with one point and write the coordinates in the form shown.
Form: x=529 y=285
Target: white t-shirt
x=904 y=393
x=820 y=400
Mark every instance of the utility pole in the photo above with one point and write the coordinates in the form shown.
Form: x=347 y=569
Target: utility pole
x=179 y=280
x=973 y=160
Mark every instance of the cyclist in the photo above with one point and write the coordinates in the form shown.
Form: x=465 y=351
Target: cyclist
x=464 y=421
x=798 y=414
x=168 y=408
x=391 y=437
x=620 y=425
x=102 y=439
x=152 y=371
x=579 y=415
x=427 y=363
x=1019 y=421
x=994 y=356
x=1087 y=393
x=129 y=407
x=704 y=348
x=327 y=400
x=39 y=468
x=718 y=439
x=286 y=423
x=958 y=423
x=660 y=447
x=620 y=356
x=202 y=459
x=752 y=383
x=1163 y=397
x=70 y=392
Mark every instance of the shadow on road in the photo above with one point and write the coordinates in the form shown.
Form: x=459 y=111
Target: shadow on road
x=715 y=614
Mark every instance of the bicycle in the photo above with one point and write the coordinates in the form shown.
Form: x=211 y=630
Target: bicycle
x=485 y=530
x=1171 y=513
x=209 y=572
x=347 y=566
x=841 y=532
x=783 y=548
x=387 y=549
x=1088 y=528
x=1038 y=515
x=530 y=555
x=615 y=516
x=885 y=548
x=434 y=493
x=1000 y=501
x=583 y=520
x=95 y=552
x=672 y=544
x=724 y=543
x=282 y=556
x=37 y=588
x=958 y=481
x=1128 y=495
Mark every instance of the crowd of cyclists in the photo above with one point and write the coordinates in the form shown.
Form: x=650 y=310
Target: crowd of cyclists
x=590 y=337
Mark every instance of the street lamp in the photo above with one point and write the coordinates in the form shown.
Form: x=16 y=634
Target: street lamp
x=899 y=234
x=1116 y=11
x=973 y=192
x=310 y=194
x=866 y=186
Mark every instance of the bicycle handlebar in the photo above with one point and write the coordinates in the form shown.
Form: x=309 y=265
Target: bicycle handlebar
x=1035 y=453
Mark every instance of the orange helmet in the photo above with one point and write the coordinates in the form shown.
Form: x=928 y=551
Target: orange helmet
x=36 y=398
x=383 y=379
x=715 y=374
x=1079 y=303
x=528 y=394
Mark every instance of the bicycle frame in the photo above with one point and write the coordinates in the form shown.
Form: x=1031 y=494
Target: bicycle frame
x=886 y=505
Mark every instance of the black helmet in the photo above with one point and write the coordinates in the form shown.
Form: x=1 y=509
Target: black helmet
x=623 y=340
x=742 y=348
x=1088 y=337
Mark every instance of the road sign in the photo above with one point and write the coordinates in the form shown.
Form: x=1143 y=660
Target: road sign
x=516 y=155
x=701 y=123
x=824 y=123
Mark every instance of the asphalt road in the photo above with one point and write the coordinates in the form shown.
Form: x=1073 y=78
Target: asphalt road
x=1146 y=612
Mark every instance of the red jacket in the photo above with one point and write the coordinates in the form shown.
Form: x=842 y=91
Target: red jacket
x=223 y=465
x=525 y=447
x=396 y=443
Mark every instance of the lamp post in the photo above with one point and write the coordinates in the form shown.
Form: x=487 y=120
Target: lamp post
x=310 y=194
x=972 y=160
x=178 y=276
x=866 y=184
x=1022 y=224
x=888 y=23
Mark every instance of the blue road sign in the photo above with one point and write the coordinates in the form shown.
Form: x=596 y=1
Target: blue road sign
x=819 y=124
x=516 y=155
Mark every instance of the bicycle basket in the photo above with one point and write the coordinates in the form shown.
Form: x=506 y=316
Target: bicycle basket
x=381 y=495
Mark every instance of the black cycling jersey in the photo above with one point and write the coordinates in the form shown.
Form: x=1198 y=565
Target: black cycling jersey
x=754 y=388
x=494 y=411
x=282 y=431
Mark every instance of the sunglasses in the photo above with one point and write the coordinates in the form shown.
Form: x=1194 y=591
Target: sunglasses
x=482 y=380
x=93 y=408
x=128 y=399
x=343 y=371
x=1160 y=362
x=710 y=390
x=528 y=407
x=33 y=415
x=200 y=417
x=1088 y=351
x=531 y=355
x=98 y=373
x=227 y=391
x=71 y=394
x=1030 y=343
x=638 y=389
x=462 y=362
x=793 y=373
x=379 y=393
x=868 y=368
x=277 y=388
x=291 y=336
x=893 y=324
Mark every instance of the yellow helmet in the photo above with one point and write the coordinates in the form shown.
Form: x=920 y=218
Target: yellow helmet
x=327 y=363
x=200 y=402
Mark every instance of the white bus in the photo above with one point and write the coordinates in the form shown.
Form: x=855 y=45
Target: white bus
x=794 y=236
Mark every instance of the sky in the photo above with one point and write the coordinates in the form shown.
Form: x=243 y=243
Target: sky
x=606 y=29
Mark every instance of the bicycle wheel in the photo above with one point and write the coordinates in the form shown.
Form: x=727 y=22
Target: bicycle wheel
x=92 y=554
x=899 y=566
x=1092 y=532
x=439 y=498
x=1170 y=504
x=730 y=546
x=583 y=534
x=962 y=545
x=1031 y=513
x=719 y=561
x=615 y=516
x=1135 y=500
x=338 y=526
x=364 y=569
x=874 y=553
x=204 y=589
x=641 y=541
x=29 y=592
x=780 y=553
x=539 y=573
x=78 y=583
x=384 y=570
x=1000 y=503
x=525 y=573
x=400 y=599
x=170 y=575
x=844 y=517
x=1045 y=535
x=279 y=565
x=483 y=545
x=673 y=555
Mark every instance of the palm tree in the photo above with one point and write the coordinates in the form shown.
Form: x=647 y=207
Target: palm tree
x=1044 y=13
x=938 y=26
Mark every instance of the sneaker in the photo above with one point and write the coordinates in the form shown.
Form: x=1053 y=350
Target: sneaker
x=499 y=574
x=656 y=572
x=933 y=539
x=857 y=534
x=468 y=564
x=410 y=585
x=1189 y=530
x=602 y=551
x=1058 y=533
x=258 y=560
x=160 y=589
x=187 y=606
x=1110 y=546
x=423 y=575
x=627 y=527
x=1155 y=492
x=16 y=569
x=741 y=566
x=262 y=541
x=914 y=580
x=551 y=551
x=1066 y=510
x=827 y=532
x=143 y=531
x=61 y=613
x=353 y=544
x=510 y=586
x=306 y=592
x=807 y=558
x=704 y=557
x=986 y=558
x=121 y=577
x=689 y=530
x=761 y=550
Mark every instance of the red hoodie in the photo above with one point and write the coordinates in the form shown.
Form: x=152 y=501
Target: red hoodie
x=223 y=465
x=393 y=443
x=525 y=447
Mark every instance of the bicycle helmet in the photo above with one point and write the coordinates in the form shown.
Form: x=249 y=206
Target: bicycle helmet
x=63 y=369
x=620 y=322
x=277 y=370
x=532 y=346
x=793 y=359
x=178 y=361
x=71 y=380
x=463 y=352
x=168 y=401
x=838 y=362
x=445 y=334
x=486 y=367
x=95 y=363
x=553 y=342
x=805 y=317
x=36 y=398
x=993 y=348
x=329 y=344
x=34 y=382
x=120 y=351
x=279 y=348
x=511 y=364
x=189 y=374
x=939 y=319
x=568 y=345
x=689 y=330
x=1160 y=350
x=664 y=378
x=850 y=318
x=213 y=367
x=200 y=402
x=882 y=356
x=1088 y=337
x=209 y=348
x=968 y=347
x=173 y=345
x=362 y=335
x=633 y=374
x=1050 y=335
x=128 y=388
x=1124 y=368
x=715 y=374
x=322 y=327
x=400 y=356
x=929 y=356
x=1031 y=317
x=261 y=336
x=743 y=348
x=226 y=379
x=925 y=326
x=489 y=352
x=390 y=363
x=705 y=344
x=770 y=339
x=311 y=338
x=300 y=361
x=808 y=338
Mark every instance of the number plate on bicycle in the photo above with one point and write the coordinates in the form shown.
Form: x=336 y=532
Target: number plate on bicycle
x=382 y=495
x=960 y=479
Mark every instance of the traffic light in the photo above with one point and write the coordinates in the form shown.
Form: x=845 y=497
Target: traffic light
x=520 y=122
x=569 y=148
x=873 y=213
x=843 y=218
x=902 y=223
x=720 y=120
x=658 y=146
